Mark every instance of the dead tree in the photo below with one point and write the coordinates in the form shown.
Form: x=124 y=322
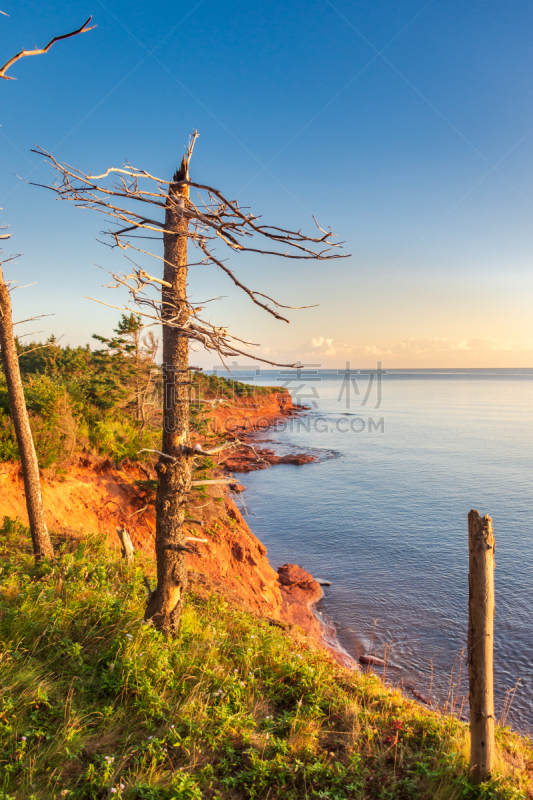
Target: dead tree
x=42 y=546
x=140 y=206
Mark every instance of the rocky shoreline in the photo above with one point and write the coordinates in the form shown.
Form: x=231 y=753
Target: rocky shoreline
x=299 y=589
x=95 y=496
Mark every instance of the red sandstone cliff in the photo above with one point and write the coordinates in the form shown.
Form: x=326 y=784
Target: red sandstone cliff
x=94 y=496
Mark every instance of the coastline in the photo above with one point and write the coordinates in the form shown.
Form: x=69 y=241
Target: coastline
x=95 y=496
x=301 y=592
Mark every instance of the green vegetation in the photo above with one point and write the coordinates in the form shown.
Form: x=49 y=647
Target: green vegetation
x=105 y=402
x=83 y=400
x=96 y=704
x=216 y=386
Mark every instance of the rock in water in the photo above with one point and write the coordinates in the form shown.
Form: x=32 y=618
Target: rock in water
x=421 y=697
x=372 y=660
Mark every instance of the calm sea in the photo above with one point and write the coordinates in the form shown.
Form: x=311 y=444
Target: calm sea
x=383 y=515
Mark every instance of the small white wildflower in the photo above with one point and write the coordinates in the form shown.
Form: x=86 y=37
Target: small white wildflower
x=129 y=636
x=150 y=737
x=23 y=738
x=122 y=787
x=235 y=670
x=242 y=683
x=172 y=727
x=113 y=790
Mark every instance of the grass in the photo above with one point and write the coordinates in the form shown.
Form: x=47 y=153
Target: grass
x=96 y=704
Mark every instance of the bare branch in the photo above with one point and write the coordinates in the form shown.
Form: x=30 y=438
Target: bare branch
x=39 y=316
x=204 y=483
x=37 y=52
x=209 y=219
x=32 y=333
x=40 y=347
x=11 y=258
x=197 y=450
x=179 y=548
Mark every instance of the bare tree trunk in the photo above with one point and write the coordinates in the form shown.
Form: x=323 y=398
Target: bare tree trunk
x=480 y=645
x=42 y=546
x=165 y=603
x=126 y=545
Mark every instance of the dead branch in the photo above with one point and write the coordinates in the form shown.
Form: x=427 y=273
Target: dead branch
x=37 y=52
x=212 y=217
x=40 y=347
x=10 y=258
x=197 y=450
x=32 y=333
x=180 y=548
x=213 y=482
x=30 y=319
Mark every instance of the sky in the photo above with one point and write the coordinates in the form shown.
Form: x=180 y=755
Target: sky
x=406 y=127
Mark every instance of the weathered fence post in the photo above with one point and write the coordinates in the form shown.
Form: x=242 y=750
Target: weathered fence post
x=480 y=645
x=127 y=548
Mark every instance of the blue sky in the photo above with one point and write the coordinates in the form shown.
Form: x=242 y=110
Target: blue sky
x=406 y=126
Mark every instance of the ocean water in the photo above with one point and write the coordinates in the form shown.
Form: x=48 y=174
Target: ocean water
x=383 y=513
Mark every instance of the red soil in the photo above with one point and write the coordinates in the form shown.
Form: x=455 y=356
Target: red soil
x=94 y=496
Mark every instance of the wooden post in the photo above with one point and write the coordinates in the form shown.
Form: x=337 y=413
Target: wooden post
x=126 y=545
x=480 y=645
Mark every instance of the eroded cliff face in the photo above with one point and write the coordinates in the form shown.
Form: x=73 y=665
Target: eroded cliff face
x=93 y=496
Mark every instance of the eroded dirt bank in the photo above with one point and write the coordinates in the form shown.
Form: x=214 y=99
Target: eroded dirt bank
x=93 y=495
